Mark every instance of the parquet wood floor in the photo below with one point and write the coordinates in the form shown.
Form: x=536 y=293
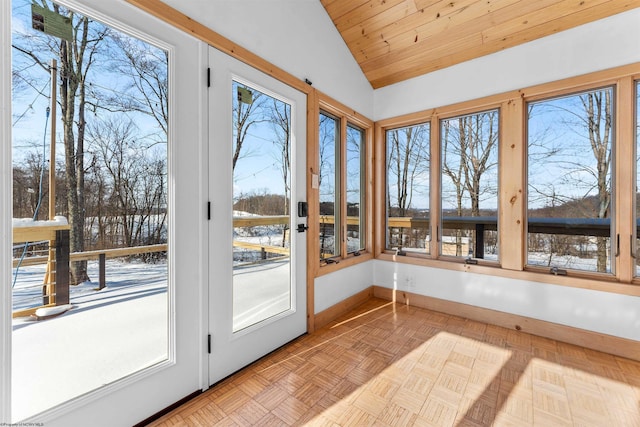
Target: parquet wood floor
x=387 y=364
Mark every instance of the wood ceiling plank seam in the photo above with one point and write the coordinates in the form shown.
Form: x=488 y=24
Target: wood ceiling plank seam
x=407 y=26
x=337 y=8
x=443 y=38
x=466 y=20
x=366 y=11
x=420 y=68
x=416 y=65
x=442 y=8
x=375 y=23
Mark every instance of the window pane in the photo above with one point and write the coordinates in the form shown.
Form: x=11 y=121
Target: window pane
x=470 y=185
x=408 y=188
x=108 y=193
x=261 y=197
x=329 y=145
x=356 y=189
x=569 y=181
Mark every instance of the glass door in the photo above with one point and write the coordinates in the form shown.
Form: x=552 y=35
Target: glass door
x=258 y=255
x=102 y=212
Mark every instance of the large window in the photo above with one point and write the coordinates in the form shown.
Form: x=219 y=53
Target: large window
x=408 y=167
x=544 y=179
x=469 y=147
x=570 y=205
x=342 y=184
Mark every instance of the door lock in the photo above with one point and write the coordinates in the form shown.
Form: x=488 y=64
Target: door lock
x=302 y=228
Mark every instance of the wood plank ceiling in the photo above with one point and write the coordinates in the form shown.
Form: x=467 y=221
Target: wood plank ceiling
x=394 y=40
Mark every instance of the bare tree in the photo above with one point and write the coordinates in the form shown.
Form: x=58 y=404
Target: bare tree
x=76 y=58
x=481 y=156
x=579 y=182
x=136 y=182
x=147 y=86
x=279 y=114
x=598 y=121
x=408 y=150
x=408 y=161
x=327 y=150
x=246 y=114
x=455 y=170
x=327 y=182
x=27 y=187
x=468 y=153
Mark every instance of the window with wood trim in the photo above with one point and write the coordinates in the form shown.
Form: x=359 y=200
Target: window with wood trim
x=408 y=187
x=570 y=143
x=469 y=185
x=342 y=185
x=569 y=171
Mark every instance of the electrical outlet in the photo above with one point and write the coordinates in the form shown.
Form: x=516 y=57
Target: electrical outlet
x=409 y=283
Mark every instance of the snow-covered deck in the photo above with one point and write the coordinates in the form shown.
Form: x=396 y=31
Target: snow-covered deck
x=253 y=303
x=115 y=332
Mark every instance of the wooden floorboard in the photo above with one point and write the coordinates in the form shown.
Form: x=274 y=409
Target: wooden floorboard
x=387 y=364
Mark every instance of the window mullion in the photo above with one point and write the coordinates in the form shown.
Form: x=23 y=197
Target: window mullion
x=511 y=219
x=435 y=189
x=624 y=185
x=342 y=173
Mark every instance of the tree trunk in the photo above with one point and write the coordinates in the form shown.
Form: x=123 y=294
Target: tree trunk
x=74 y=164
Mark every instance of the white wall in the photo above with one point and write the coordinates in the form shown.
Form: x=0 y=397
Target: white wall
x=607 y=313
x=296 y=35
x=339 y=285
x=603 y=44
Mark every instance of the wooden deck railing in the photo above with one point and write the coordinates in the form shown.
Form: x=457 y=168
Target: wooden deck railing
x=56 y=291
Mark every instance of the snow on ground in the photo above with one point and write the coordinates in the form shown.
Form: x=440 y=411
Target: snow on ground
x=107 y=335
x=564 y=261
x=260 y=291
x=27 y=291
x=117 y=331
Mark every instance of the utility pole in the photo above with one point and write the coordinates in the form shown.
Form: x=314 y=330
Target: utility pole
x=50 y=275
x=52 y=151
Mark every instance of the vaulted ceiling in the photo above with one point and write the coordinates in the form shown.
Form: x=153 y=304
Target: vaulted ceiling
x=394 y=40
